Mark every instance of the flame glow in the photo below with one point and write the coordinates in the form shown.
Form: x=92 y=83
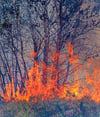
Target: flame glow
x=34 y=89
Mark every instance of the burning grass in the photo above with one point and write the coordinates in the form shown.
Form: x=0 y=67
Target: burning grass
x=35 y=91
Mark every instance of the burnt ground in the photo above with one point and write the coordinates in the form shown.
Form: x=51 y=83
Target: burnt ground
x=56 y=108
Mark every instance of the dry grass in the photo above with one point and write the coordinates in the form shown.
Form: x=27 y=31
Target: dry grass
x=56 y=108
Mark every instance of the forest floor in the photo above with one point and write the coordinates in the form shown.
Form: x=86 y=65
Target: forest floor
x=56 y=108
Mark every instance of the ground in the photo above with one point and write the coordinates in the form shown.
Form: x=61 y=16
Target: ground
x=56 y=108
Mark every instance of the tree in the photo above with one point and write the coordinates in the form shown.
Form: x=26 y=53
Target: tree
x=75 y=22
x=48 y=23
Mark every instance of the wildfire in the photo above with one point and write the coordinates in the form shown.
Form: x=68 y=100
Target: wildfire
x=35 y=90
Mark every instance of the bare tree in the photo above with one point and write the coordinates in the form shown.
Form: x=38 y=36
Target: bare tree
x=48 y=23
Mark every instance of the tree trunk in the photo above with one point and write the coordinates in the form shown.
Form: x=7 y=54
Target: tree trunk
x=59 y=36
x=46 y=47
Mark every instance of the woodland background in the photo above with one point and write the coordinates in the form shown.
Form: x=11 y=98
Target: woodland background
x=42 y=26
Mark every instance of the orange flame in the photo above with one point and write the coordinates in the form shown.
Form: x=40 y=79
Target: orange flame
x=34 y=89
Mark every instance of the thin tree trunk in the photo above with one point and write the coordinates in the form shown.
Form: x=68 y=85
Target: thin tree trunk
x=35 y=43
x=46 y=47
x=22 y=54
x=2 y=82
x=59 y=36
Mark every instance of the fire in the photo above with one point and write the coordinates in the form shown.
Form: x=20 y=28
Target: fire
x=74 y=89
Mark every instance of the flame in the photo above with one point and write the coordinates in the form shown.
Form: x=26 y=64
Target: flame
x=35 y=90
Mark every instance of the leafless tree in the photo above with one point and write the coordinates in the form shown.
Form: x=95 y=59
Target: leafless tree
x=48 y=23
